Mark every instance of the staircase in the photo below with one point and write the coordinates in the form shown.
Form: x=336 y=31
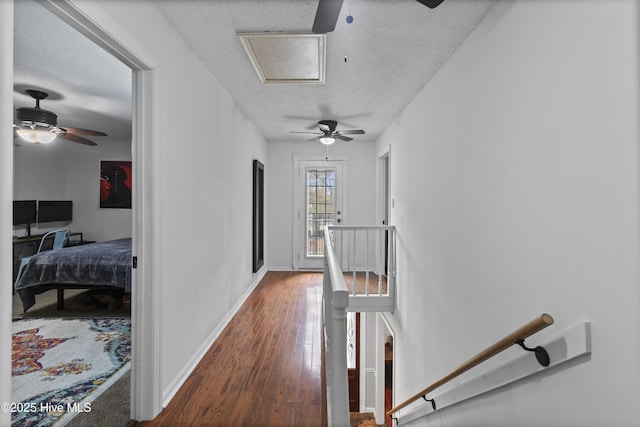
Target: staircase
x=364 y=257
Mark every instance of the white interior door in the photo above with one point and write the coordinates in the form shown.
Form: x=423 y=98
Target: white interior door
x=318 y=202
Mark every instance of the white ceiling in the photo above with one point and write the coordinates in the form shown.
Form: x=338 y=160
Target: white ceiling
x=393 y=47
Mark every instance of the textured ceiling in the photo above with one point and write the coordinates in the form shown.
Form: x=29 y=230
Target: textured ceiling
x=393 y=47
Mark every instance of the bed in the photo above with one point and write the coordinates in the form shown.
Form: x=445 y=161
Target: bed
x=95 y=266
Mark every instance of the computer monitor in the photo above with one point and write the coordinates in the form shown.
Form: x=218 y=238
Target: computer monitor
x=55 y=210
x=24 y=212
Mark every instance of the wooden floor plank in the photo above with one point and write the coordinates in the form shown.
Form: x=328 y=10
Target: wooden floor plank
x=265 y=369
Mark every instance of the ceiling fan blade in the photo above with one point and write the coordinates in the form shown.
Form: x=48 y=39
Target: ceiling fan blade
x=431 y=4
x=80 y=131
x=342 y=137
x=76 y=138
x=326 y=16
x=298 y=131
x=352 y=132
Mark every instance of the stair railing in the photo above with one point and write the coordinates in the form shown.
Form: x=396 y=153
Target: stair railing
x=516 y=337
x=366 y=255
x=335 y=301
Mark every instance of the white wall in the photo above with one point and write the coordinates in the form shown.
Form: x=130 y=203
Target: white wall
x=64 y=170
x=526 y=147
x=358 y=209
x=40 y=171
x=82 y=186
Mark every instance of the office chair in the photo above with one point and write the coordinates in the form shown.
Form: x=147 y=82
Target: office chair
x=59 y=240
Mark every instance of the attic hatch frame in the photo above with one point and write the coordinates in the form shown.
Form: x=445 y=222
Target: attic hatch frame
x=286 y=57
x=102 y=29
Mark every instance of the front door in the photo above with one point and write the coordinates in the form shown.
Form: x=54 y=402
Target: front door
x=319 y=202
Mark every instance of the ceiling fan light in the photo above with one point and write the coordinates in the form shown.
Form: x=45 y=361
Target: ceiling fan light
x=36 y=136
x=327 y=140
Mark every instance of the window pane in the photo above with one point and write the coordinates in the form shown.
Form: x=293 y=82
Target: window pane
x=320 y=207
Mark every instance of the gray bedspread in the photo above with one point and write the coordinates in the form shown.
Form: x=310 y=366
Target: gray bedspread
x=104 y=264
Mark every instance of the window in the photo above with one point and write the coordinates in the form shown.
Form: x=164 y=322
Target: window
x=321 y=205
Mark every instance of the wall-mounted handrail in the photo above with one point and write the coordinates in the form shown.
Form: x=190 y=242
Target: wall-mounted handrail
x=516 y=337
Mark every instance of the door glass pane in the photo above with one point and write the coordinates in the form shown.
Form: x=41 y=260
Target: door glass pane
x=351 y=340
x=321 y=186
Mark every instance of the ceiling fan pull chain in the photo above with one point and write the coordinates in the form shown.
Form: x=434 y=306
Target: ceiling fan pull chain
x=349 y=20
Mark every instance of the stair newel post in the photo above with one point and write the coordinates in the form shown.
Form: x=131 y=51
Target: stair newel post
x=340 y=398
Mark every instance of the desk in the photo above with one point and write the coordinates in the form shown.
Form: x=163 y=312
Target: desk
x=27 y=246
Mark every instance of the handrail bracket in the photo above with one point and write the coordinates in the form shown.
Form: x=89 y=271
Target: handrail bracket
x=542 y=356
x=516 y=337
x=433 y=402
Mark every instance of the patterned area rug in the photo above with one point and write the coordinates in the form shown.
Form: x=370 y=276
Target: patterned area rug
x=59 y=366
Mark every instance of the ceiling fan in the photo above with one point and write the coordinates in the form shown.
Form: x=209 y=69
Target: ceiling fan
x=33 y=124
x=328 y=133
x=329 y=10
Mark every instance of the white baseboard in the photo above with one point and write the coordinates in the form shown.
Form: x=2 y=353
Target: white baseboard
x=182 y=376
x=290 y=268
x=280 y=268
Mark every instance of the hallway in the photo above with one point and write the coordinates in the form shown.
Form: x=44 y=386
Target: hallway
x=265 y=368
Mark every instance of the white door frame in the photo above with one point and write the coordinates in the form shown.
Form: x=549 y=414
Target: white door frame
x=6 y=192
x=383 y=199
x=383 y=210
x=298 y=197
x=146 y=384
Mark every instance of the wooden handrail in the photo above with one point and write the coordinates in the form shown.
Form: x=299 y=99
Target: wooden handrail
x=525 y=331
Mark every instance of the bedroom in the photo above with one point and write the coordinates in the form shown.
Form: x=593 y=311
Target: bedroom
x=87 y=88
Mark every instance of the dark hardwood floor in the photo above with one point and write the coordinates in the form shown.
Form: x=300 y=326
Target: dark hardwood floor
x=265 y=369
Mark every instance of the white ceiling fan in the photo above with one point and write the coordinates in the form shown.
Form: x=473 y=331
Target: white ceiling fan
x=33 y=124
x=328 y=133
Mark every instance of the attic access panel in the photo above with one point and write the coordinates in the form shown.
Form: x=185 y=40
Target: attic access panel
x=286 y=57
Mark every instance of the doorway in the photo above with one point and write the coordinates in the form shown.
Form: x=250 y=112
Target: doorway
x=318 y=201
x=386 y=348
x=388 y=378
x=384 y=202
x=74 y=173
x=146 y=399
